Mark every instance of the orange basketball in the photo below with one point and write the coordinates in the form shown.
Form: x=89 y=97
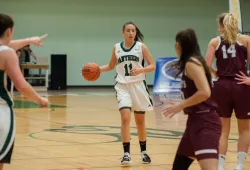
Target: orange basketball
x=91 y=71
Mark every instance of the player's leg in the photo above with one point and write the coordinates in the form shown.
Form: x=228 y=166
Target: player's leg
x=124 y=104
x=209 y=164
x=141 y=130
x=226 y=123
x=182 y=162
x=242 y=110
x=141 y=103
x=222 y=95
x=223 y=145
x=125 y=134
x=243 y=142
x=1 y=166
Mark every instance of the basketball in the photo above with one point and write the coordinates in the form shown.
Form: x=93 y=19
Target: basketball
x=91 y=71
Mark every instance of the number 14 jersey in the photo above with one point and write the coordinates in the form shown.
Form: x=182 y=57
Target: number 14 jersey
x=128 y=59
x=231 y=59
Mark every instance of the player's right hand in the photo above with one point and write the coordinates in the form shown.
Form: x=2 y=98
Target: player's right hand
x=37 y=41
x=43 y=102
x=171 y=109
x=215 y=74
x=242 y=78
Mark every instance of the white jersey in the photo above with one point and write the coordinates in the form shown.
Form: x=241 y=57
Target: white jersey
x=5 y=96
x=127 y=59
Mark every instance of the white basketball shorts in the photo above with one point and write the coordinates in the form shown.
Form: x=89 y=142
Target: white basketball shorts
x=134 y=96
x=7 y=132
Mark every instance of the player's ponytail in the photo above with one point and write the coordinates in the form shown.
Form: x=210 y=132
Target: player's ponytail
x=139 y=36
x=230 y=24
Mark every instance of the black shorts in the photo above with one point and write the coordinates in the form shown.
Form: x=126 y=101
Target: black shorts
x=7 y=158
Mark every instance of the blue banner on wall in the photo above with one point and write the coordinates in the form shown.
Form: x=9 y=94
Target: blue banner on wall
x=166 y=86
x=165 y=79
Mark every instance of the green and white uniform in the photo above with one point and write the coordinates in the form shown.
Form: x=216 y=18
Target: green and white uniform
x=7 y=118
x=132 y=91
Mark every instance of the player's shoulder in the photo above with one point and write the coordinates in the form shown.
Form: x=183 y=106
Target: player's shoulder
x=193 y=61
x=4 y=48
x=117 y=44
x=245 y=39
x=6 y=51
x=243 y=36
x=215 y=41
x=142 y=45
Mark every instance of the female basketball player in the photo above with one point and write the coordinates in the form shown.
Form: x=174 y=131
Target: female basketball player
x=131 y=89
x=203 y=129
x=9 y=65
x=231 y=51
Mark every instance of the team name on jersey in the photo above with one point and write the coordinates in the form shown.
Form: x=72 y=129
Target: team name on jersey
x=183 y=84
x=128 y=58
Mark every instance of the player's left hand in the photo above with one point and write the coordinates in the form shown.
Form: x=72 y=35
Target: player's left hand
x=136 y=71
x=37 y=41
x=243 y=78
x=171 y=109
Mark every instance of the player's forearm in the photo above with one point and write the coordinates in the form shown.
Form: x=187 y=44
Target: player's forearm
x=25 y=89
x=106 y=68
x=214 y=72
x=149 y=68
x=17 y=44
x=197 y=98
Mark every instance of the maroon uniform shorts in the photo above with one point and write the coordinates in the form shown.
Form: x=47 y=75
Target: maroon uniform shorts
x=230 y=97
x=201 y=137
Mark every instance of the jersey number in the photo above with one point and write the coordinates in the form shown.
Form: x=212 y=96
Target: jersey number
x=127 y=69
x=231 y=50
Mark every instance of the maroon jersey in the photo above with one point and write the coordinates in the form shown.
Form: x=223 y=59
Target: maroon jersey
x=231 y=59
x=189 y=89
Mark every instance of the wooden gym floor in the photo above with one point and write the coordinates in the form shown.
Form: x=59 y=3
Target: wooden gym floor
x=81 y=131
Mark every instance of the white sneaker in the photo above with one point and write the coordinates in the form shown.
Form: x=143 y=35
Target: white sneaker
x=145 y=158
x=239 y=167
x=126 y=160
x=221 y=168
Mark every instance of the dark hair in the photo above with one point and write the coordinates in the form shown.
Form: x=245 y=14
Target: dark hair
x=5 y=23
x=139 y=36
x=190 y=48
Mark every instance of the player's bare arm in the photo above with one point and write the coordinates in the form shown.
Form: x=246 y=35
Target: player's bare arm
x=241 y=77
x=14 y=72
x=37 y=41
x=248 y=47
x=210 y=55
